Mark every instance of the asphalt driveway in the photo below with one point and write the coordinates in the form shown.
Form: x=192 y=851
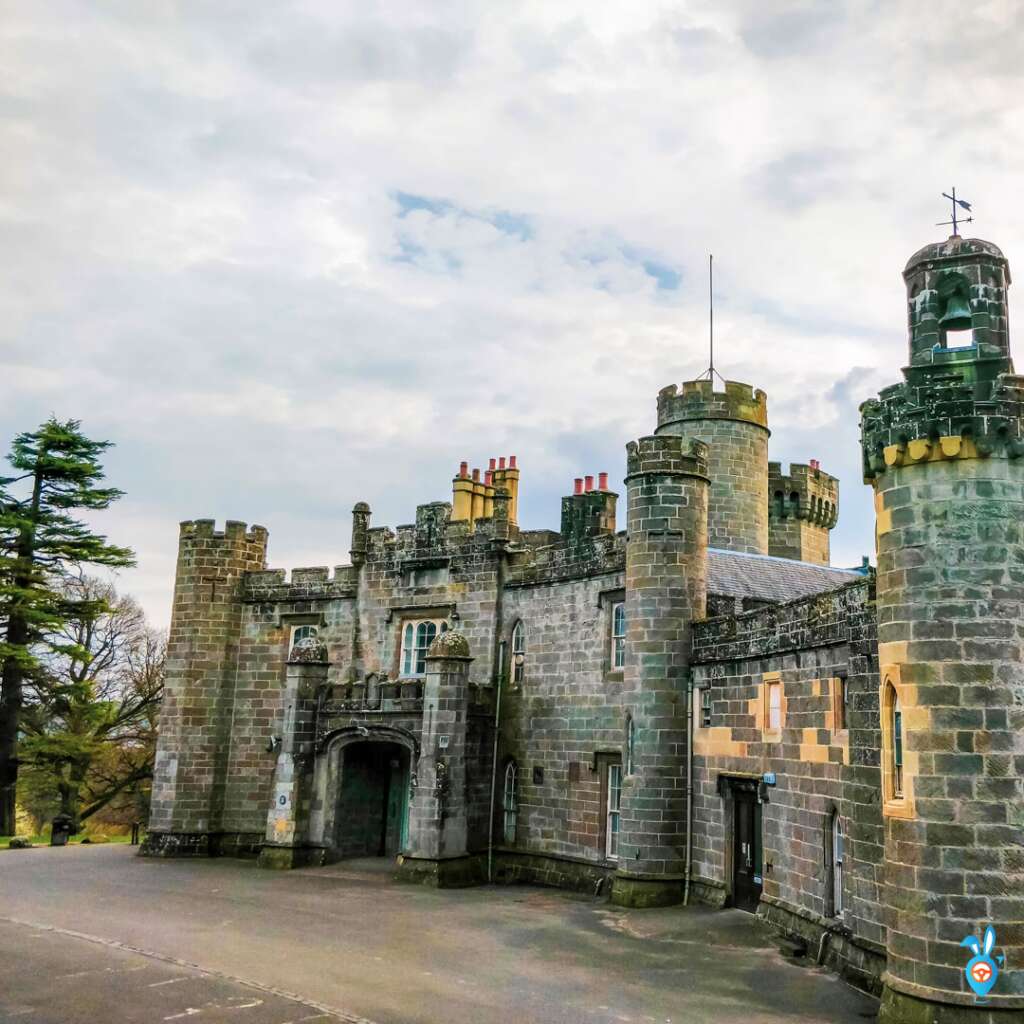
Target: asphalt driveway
x=345 y=942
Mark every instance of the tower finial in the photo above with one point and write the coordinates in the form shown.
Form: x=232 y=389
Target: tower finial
x=963 y=204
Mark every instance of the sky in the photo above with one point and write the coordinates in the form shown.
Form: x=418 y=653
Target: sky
x=296 y=255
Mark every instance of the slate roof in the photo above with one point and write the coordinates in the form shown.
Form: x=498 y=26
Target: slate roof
x=766 y=578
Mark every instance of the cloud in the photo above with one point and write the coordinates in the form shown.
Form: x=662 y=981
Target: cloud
x=292 y=257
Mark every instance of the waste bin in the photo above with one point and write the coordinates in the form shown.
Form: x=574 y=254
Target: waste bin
x=61 y=830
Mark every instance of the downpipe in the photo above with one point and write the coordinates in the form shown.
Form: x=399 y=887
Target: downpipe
x=494 y=759
x=689 y=789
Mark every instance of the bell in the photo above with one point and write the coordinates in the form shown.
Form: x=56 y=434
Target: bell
x=958 y=314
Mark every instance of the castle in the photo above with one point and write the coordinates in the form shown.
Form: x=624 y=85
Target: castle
x=698 y=707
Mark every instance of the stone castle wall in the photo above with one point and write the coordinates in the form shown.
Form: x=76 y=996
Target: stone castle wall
x=824 y=765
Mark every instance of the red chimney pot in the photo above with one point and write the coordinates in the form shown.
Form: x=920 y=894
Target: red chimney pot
x=511 y=462
x=602 y=481
x=476 y=476
x=493 y=464
x=463 y=469
x=577 y=485
x=590 y=483
x=501 y=462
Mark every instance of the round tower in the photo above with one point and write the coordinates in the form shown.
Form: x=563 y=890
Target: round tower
x=666 y=590
x=943 y=451
x=734 y=425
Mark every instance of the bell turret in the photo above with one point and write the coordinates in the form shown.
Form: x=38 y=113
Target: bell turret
x=956 y=296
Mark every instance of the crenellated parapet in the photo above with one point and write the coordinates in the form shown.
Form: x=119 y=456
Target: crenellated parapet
x=806 y=492
x=946 y=415
x=316 y=583
x=698 y=400
x=667 y=454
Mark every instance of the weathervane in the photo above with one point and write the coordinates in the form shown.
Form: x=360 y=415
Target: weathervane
x=710 y=373
x=963 y=204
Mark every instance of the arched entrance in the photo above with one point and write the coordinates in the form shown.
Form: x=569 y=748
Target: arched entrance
x=372 y=813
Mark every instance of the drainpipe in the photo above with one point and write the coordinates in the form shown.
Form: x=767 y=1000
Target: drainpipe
x=689 y=787
x=494 y=760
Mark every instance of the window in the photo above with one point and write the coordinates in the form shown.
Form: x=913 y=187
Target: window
x=518 y=653
x=838 y=854
x=416 y=640
x=510 y=803
x=611 y=846
x=303 y=633
x=705 y=707
x=897 y=745
x=618 y=652
x=839 y=704
x=629 y=744
x=773 y=700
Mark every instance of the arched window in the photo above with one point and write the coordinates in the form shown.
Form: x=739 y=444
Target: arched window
x=518 y=667
x=416 y=640
x=629 y=744
x=510 y=803
x=897 y=745
x=838 y=856
x=303 y=633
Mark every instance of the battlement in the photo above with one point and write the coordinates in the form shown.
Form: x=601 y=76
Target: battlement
x=306 y=584
x=667 y=454
x=942 y=415
x=698 y=400
x=805 y=492
x=234 y=531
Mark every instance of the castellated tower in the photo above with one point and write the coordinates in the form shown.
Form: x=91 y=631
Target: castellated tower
x=943 y=450
x=666 y=590
x=803 y=510
x=734 y=425
x=191 y=762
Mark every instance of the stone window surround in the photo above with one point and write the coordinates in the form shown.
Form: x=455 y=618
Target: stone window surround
x=607 y=600
x=839 y=700
x=893 y=806
x=288 y=622
x=440 y=625
x=602 y=761
x=516 y=673
x=768 y=681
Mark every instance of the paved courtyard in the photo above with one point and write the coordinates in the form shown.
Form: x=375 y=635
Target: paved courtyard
x=97 y=934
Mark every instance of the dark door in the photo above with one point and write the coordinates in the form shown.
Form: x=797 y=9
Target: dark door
x=746 y=854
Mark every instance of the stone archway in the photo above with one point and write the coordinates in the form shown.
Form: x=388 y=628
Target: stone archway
x=364 y=777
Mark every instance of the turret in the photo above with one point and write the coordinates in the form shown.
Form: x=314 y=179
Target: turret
x=666 y=590
x=192 y=751
x=734 y=425
x=803 y=509
x=943 y=452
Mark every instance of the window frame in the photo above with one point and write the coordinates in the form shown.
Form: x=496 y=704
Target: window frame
x=413 y=654
x=617 y=640
x=294 y=637
x=612 y=809
x=517 y=646
x=897 y=765
x=510 y=803
x=838 y=834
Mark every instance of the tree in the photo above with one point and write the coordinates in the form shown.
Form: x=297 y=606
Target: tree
x=41 y=545
x=89 y=720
